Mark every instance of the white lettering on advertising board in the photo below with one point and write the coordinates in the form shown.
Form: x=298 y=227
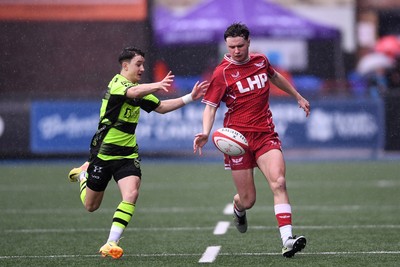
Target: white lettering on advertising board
x=73 y=126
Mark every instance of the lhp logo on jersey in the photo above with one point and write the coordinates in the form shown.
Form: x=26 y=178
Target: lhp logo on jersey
x=256 y=82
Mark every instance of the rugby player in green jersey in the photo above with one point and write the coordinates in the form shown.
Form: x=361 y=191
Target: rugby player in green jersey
x=113 y=149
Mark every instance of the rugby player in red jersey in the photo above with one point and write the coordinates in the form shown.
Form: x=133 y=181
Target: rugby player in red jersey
x=242 y=81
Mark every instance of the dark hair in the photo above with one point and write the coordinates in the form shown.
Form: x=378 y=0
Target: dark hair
x=237 y=30
x=128 y=53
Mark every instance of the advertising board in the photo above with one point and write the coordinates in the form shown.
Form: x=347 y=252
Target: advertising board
x=66 y=127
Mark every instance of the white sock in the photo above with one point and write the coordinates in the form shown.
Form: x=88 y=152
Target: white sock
x=239 y=213
x=82 y=175
x=115 y=234
x=286 y=232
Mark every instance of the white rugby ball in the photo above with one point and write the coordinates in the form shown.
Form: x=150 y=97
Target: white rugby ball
x=230 y=141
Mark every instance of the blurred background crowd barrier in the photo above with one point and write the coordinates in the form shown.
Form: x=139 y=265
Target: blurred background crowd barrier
x=57 y=58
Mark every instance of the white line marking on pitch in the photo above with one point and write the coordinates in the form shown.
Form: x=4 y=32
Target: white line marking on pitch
x=163 y=255
x=176 y=229
x=228 y=209
x=221 y=228
x=210 y=254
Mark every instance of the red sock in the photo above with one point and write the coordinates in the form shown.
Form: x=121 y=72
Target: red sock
x=284 y=219
x=283 y=214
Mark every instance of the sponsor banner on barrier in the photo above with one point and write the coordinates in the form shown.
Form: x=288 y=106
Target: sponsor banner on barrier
x=14 y=129
x=65 y=127
x=331 y=124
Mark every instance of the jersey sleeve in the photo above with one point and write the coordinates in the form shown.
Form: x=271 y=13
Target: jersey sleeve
x=270 y=70
x=216 y=90
x=118 y=85
x=149 y=103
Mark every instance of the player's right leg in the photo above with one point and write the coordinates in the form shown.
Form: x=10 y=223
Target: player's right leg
x=239 y=219
x=75 y=174
x=91 y=196
x=79 y=174
x=245 y=197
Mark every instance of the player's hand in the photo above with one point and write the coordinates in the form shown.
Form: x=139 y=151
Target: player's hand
x=199 y=89
x=166 y=82
x=199 y=141
x=305 y=105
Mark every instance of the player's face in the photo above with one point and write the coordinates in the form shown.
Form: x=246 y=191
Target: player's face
x=135 y=68
x=238 y=48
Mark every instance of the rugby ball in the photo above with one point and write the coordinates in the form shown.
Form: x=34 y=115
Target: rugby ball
x=230 y=141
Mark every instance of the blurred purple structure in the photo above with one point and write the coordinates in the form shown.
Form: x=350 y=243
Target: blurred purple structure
x=207 y=22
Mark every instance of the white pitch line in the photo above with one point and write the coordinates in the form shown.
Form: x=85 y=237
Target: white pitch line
x=221 y=228
x=210 y=254
x=177 y=229
x=228 y=209
x=162 y=255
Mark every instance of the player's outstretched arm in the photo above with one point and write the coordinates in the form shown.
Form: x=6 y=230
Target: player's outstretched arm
x=169 y=105
x=144 y=89
x=199 y=89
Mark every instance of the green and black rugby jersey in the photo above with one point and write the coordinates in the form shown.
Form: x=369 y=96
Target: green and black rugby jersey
x=121 y=115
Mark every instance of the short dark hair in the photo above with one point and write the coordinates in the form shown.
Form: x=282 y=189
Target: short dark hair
x=237 y=30
x=129 y=52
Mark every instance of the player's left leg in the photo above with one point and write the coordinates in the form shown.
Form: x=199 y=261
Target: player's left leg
x=272 y=166
x=129 y=187
x=128 y=177
x=245 y=197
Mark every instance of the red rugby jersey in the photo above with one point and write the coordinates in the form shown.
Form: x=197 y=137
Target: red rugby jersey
x=244 y=87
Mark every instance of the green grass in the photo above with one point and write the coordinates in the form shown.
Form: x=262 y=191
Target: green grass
x=349 y=213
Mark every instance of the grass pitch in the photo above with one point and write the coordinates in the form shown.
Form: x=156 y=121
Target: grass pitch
x=349 y=213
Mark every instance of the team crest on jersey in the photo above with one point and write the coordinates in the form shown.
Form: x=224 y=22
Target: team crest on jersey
x=128 y=113
x=237 y=161
x=260 y=65
x=274 y=143
x=236 y=75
